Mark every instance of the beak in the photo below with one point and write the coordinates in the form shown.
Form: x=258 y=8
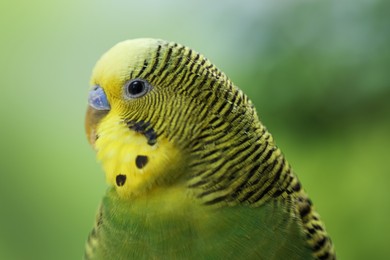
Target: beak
x=98 y=108
x=98 y=99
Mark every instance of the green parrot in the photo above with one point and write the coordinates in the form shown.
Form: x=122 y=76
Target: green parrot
x=192 y=172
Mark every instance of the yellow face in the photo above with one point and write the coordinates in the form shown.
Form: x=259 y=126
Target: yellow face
x=130 y=161
x=135 y=155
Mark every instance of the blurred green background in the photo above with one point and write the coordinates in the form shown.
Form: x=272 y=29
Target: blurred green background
x=318 y=72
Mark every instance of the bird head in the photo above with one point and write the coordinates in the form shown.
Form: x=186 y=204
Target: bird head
x=158 y=110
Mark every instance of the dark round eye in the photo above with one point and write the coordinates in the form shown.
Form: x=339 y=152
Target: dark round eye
x=136 y=88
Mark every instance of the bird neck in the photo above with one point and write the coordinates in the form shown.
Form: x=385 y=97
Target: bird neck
x=253 y=172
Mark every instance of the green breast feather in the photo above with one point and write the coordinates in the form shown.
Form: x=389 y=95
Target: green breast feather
x=192 y=172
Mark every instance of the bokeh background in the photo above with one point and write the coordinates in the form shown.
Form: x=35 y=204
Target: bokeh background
x=318 y=72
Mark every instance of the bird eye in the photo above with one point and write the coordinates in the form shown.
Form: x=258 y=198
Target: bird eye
x=136 y=88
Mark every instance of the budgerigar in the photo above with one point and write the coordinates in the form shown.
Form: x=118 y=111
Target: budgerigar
x=192 y=172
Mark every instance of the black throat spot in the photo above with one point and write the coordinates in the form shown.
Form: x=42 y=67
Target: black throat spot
x=144 y=128
x=120 y=180
x=141 y=161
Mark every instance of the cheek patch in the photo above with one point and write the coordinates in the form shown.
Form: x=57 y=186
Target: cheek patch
x=144 y=128
x=120 y=180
